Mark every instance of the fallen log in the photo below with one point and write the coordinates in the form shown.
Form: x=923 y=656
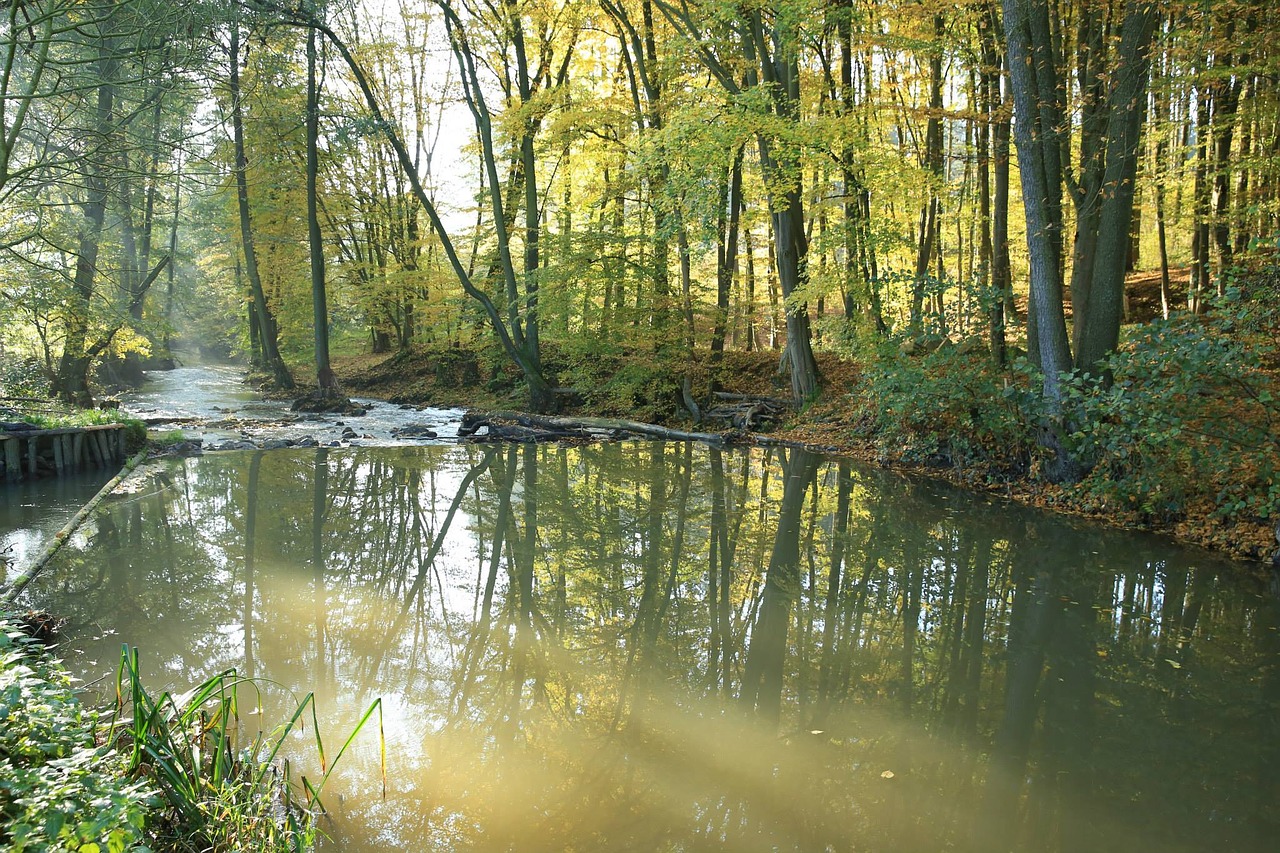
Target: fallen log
x=777 y=402
x=518 y=426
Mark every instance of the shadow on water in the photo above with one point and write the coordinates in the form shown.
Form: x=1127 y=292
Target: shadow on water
x=647 y=646
x=32 y=511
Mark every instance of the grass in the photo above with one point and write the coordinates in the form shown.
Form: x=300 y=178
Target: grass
x=223 y=790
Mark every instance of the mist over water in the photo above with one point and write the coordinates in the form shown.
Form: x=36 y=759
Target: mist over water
x=650 y=646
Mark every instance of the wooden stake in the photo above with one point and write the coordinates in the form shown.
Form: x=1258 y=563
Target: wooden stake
x=12 y=460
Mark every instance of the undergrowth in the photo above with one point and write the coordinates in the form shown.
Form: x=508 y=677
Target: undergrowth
x=60 y=788
x=1186 y=414
x=157 y=773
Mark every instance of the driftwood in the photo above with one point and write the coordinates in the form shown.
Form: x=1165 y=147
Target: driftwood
x=747 y=411
x=517 y=426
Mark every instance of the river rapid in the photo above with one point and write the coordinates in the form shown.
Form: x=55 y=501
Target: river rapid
x=211 y=402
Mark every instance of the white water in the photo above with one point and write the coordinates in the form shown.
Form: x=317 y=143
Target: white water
x=211 y=402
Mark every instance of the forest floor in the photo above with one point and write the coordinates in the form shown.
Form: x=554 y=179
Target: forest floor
x=837 y=424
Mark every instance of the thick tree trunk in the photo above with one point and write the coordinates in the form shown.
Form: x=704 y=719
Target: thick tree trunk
x=1100 y=307
x=71 y=383
x=1034 y=85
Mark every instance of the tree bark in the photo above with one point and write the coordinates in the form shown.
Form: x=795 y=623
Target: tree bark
x=268 y=331
x=326 y=382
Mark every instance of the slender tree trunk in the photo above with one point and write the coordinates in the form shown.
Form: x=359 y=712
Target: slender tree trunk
x=326 y=382
x=268 y=334
x=727 y=254
x=1200 y=263
x=996 y=241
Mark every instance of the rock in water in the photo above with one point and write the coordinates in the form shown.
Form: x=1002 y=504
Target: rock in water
x=413 y=431
x=327 y=404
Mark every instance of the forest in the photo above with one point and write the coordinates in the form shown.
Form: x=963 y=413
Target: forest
x=1018 y=242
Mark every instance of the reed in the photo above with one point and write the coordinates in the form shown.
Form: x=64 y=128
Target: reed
x=224 y=789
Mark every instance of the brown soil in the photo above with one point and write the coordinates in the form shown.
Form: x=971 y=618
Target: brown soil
x=1142 y=290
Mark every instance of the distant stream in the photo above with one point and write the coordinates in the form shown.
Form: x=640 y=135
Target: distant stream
x=212 y=404
x=211 y=401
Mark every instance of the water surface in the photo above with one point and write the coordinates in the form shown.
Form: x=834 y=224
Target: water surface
x=649 y=646
x=213 y=402
x=32 y=511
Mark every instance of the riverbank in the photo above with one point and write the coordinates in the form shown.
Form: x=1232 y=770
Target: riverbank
x=158 y=773
x=62 y=789
x=945 y=434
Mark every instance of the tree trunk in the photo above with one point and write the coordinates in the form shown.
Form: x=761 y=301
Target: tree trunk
x=1097 y=289
x=1034 y=86
x=268 y=332
x=71 y=383
x=326 y=383
x=727 y=254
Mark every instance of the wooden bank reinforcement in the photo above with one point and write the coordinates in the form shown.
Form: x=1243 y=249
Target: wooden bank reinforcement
x=56 y=452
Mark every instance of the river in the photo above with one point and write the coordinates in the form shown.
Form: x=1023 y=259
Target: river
x=660 y=646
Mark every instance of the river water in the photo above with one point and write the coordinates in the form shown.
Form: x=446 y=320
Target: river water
x=211 y=401
x=653 y=646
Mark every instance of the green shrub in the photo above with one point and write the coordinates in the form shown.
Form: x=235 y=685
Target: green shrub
x=950 y=408
x=1185 y=413
x=23 y=377
x=59 y=790
x=613 y=380
x=135 y=435
x=1188 y=415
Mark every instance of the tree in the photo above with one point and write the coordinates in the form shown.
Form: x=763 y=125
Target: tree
x=112 y=52
x=263 y=316
x=768 y=41
x=520 y=339
x=1115 y=79
x=326 y=382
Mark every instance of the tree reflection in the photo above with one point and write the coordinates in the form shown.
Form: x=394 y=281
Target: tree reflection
x=653 y=646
